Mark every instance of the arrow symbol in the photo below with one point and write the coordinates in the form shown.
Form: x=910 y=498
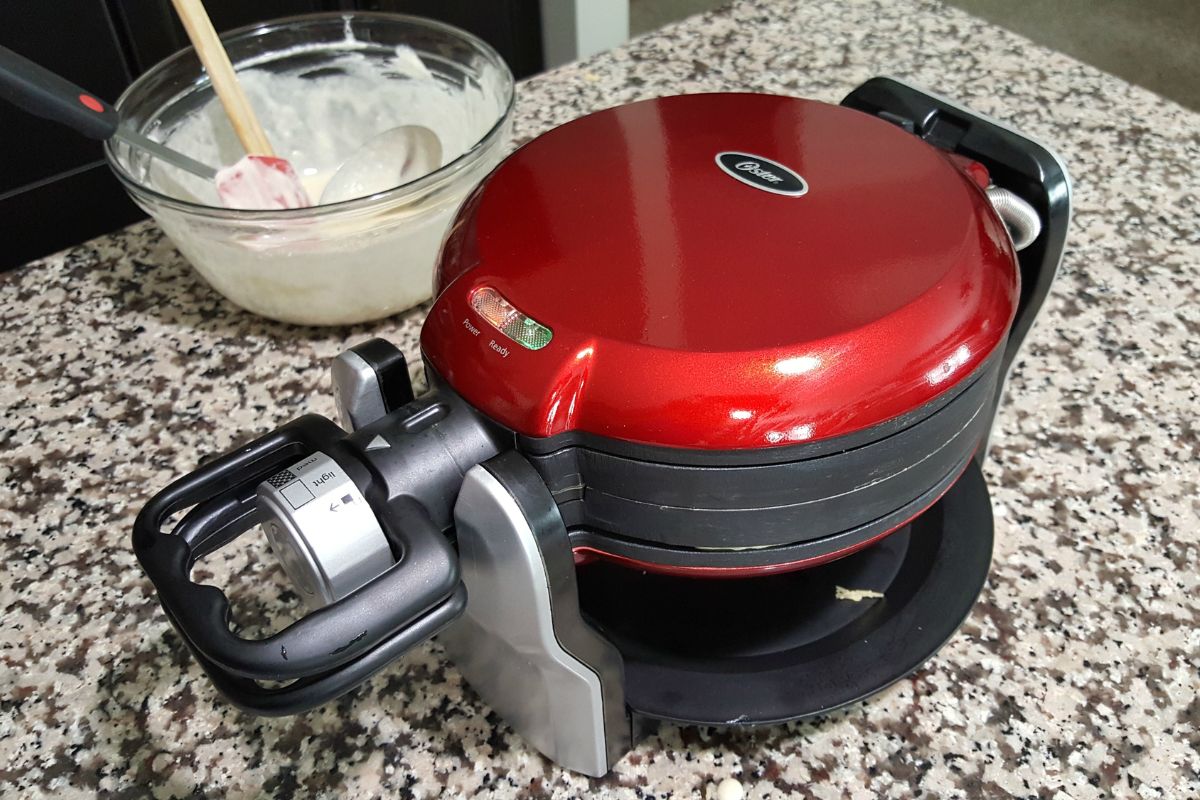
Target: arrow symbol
x=334 y=506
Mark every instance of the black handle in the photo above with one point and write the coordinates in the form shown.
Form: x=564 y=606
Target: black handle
x=1014 y=161
x=45 y=94
x=330 y=650
x=308 y=693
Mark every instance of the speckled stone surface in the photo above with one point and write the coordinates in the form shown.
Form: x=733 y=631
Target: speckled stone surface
x=1075 y=677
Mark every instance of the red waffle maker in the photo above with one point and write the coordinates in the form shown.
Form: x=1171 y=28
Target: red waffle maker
x=711 y=378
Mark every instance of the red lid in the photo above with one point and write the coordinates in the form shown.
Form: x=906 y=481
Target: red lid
x=828 y=273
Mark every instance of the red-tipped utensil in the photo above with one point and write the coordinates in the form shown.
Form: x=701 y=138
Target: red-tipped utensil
x=260 y=180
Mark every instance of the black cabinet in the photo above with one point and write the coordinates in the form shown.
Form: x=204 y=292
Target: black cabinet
x=152 y=30
x=55 y=189
x=513 y=28
x=83 y=47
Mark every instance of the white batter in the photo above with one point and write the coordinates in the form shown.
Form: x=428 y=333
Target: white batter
x=316 y=123
x=336 y=264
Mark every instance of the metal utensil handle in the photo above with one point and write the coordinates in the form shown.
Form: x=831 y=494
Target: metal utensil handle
x=165 y=154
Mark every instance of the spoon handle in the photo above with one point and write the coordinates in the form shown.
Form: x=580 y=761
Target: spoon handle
x=165 y=154
x=42 y=93
x=45 y=94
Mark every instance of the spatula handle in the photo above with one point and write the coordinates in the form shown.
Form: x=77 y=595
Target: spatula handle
x=224 y=79
x=42 y=93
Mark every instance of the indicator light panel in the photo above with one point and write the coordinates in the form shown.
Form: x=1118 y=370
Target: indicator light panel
x=501 y=315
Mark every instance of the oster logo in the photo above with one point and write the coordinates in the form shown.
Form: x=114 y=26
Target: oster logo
x=762 y=173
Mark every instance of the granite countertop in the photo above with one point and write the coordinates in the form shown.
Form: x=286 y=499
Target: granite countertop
x=1075 y=677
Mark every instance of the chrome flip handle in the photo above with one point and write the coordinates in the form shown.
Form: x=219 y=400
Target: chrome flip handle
x=323 y=530
x=328 y=651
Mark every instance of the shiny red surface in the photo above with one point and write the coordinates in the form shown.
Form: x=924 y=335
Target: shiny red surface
x=692 y=310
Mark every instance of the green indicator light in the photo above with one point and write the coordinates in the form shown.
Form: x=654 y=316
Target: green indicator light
x=501 y=315
x=527 y=333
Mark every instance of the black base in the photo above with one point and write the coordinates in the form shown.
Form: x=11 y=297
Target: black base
x=769 y=649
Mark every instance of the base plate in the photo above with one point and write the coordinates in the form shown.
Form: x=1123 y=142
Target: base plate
x=769 y=649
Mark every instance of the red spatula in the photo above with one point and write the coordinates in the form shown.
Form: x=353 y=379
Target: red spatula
x=260 y=180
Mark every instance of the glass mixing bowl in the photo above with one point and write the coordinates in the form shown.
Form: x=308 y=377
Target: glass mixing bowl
x=341 y=263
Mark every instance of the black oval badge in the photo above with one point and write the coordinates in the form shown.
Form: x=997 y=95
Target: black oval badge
x=762 y=173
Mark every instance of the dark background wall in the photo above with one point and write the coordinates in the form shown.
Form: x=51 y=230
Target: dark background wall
x=55 y=189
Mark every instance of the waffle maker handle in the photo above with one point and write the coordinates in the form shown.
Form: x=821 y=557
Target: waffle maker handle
x=332 y=649
x=1015 y=163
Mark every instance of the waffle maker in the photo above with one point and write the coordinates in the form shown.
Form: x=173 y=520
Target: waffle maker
x=711 y=379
